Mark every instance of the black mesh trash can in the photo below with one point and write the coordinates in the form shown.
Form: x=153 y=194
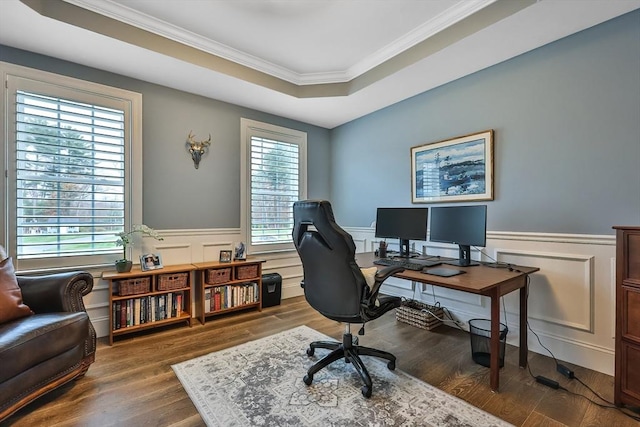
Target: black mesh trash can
x=271 y=289
x=480 y=332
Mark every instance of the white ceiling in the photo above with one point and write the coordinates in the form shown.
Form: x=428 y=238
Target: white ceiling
x=323 y=62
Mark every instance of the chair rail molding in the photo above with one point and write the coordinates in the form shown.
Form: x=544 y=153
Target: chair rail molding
x=572 y=297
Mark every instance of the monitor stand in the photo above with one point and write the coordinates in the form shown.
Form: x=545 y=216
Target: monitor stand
x=405 y=252
x=464 y=257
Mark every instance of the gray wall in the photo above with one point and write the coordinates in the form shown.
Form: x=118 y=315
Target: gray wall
x=567 y=137
x=176 y=195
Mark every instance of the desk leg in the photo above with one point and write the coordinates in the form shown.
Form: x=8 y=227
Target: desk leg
x=524 y=347
x=494 y=373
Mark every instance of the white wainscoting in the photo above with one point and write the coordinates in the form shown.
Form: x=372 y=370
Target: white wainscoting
x=571 y=298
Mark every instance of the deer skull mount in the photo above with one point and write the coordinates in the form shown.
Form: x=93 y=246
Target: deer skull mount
x=197 y=148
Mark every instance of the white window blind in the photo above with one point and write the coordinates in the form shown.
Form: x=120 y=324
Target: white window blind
x=274 y=168
x=274 y=188
x=70 y=176
x=74 y=169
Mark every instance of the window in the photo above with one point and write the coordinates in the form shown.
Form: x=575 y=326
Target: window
x=274 y=177
x=69 y=182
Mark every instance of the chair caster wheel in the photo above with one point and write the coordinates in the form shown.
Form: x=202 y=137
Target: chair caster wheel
x=366 y=391
x=391 y=366
x=310 y=351
x=308 y=379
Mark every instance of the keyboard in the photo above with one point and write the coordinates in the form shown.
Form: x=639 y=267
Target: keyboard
x=408 y=264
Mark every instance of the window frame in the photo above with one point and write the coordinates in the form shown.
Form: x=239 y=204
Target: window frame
x=16 y=77
x=248 y=129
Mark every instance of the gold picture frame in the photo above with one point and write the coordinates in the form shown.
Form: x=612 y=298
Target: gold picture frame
x=453 y=170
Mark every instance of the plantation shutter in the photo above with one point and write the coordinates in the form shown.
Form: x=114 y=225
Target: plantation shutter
x=70 y=161
x=274 y=187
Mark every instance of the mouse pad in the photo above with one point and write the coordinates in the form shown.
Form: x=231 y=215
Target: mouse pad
x=443 y=272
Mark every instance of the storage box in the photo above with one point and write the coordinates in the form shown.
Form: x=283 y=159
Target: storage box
x=419 y=314
x=218 y=275
x=247 y=272
x=167 y=282
x=133 y=286
x=271 y=289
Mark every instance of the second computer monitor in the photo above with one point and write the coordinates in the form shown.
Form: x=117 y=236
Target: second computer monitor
x=465 y=226
x=404 y=224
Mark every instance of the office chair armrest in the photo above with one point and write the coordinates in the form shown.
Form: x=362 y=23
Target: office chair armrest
x=382 y=275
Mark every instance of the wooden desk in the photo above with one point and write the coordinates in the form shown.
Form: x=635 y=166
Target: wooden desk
x=481 y=280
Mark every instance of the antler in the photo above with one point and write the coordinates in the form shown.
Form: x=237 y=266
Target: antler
x=194 y=144
x=197 y=148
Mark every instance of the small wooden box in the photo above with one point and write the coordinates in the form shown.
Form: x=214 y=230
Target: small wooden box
x=218 y=275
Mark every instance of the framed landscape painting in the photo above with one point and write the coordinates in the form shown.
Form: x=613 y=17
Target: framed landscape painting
x=459 y=169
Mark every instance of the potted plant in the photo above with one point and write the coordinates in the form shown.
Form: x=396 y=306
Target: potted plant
x=125 y=239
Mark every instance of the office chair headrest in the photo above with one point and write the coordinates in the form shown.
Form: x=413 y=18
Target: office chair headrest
x=319 y=214
x=311 y=211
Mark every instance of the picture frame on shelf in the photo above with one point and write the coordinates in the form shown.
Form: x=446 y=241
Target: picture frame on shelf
x=240 y=251
x=150 y=262
x=453 y=170
x=225 y=255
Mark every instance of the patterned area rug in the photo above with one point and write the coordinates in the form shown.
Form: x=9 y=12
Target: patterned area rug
x=259 y=383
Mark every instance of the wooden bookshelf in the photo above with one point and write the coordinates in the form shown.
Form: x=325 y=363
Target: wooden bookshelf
x=224 y=287
x=140 y=300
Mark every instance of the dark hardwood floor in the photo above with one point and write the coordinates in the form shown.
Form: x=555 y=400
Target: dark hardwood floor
x=132 y=383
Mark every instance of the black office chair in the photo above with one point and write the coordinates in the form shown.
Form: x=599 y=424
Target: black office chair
x=334 y=286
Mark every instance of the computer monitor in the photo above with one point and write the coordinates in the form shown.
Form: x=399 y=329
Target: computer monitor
x=465 y=226
x=404 y=224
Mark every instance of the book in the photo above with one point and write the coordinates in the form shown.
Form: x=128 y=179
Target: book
x=179 y=304
x=217 y=300
x=169 y=305
x=207 y=300
x=136 y=313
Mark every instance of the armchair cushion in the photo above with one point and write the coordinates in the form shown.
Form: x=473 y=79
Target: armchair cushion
x=29 y=342
x=11 y=305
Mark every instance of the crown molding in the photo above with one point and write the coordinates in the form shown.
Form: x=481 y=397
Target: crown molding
x=451 y=16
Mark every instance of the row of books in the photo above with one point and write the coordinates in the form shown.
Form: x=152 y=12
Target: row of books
x=222 y=297
x=150 y=308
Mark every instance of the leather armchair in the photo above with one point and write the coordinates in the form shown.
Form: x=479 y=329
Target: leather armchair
x=49 y=348
x=335 y=286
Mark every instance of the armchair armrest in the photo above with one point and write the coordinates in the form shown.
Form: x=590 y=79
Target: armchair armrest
x=57 y=292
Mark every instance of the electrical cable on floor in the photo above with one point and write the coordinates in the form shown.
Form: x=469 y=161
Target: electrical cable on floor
x=571 y=375
x=446 y=311
x=442 y=319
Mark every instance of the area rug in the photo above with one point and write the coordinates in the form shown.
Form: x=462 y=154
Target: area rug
x=259 y=383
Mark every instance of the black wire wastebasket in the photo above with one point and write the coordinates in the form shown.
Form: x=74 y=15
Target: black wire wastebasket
x=480 y=332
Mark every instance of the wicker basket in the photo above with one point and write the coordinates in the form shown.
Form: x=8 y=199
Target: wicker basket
x=136 y=285
x=218 y=275
x=167 y=282
x=246 y=272
x=415 y=314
